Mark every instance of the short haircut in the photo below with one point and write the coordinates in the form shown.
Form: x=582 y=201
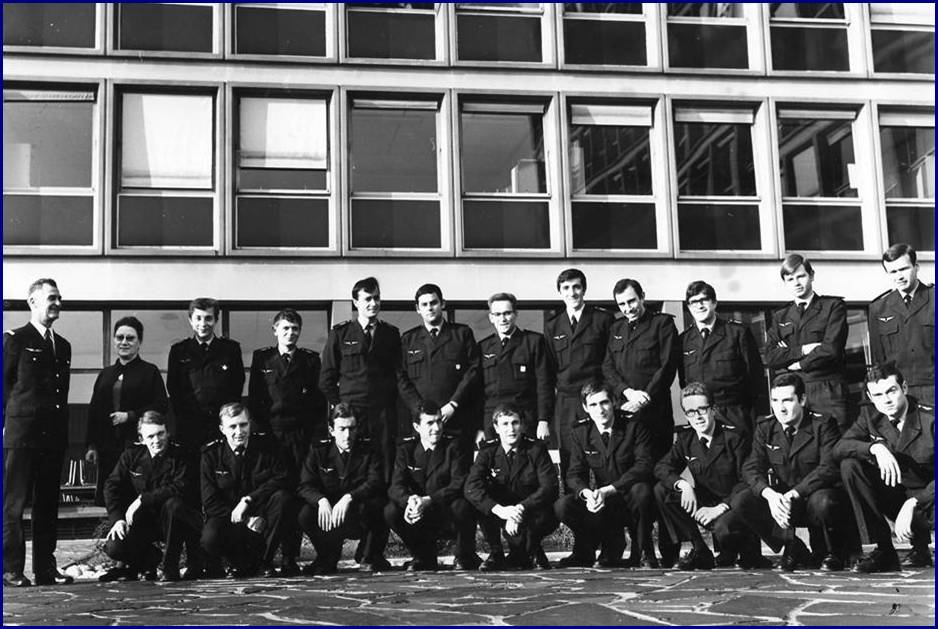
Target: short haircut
x=695 y=388
x=593 y=387
x=428 y=289
x=569 y=275
x=698 y=287
x=38 y=284
x=289 y=315
x=426 y=407
x=504 y=297
x=882 y=371
x=506 y=408
x=204 y=303
x=627 y=283
x=369 y=285
x=789 y=379
x=898 y=250
x=130 y=322
x=791 y=263
x=342 y=410
x=232 y=410
x=153 y=418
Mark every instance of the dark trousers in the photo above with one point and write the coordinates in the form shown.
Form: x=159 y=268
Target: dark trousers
x=537 y=524
x=294 y=443
x=172 y=522
x=364 y=520
x=873 y=502
x=242 y=546
x=105 y=465
x=438 y=520
x=380 y=424
x=730 y=532
x=830 y=398
x=605 y=529
x=31 y=474
x=567 y=411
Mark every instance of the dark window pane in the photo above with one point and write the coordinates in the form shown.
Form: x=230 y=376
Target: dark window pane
x=393 y=150
x=711 y=226
x=614 y=225
x=503 y=153
x=809 y=49
x=808 y=10
x=707 y=46
x=506 y=225
x=398 y=223
x=47 y=220
x=903 y=51
x=281 y=179
x=634 y=8
x=817 y=228
x=165 y=27
x=421 y=6
x=604 y=42
x=610 y=160
x=164 y=221
x=282 y=222
x=498 y=38
x=391 y=35
x=705 y=9
x=262 y=31
x=913 y=225
x=908 y=162
x=49 y=24
x=47 y=144
x=714 y=159
x=814 y=157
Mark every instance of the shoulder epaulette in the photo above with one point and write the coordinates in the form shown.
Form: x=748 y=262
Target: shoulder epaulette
x=265 y=349
x=325 y=442
x=686 y=427
x=767 y=418
x=445 y=437
x=488 y=443
x=364 y=439
x=728 y=426
x=10 y=332
x=814 y=414
x=211 y=444
x=736 y=321
x=408 y=439
x=306 y=350
x=666 y=314
x=529 y=439
x=583 y=421
x=601 y=309
x=881 y=295
x=926 y=408
x=493 y=334
x=341 y=324
x=553 y=315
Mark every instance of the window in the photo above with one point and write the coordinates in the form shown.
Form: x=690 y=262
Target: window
x=718 y=201
x=819 y=180
x=51 y=25
x=907 y=143
x=394 y=30
x=394 y=175
x=610 y=156
x=166 y=190
x=176 y=27
x=500 y=31
x=903 y=37
x=809 y=36
x=605 y=33
x=288 y=29
x=708 y=35
x=283 y=178
x=49 y=167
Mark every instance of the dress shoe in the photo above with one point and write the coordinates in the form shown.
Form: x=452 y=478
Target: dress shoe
x=832 y=563
x=468 y=562
x=754 y=562
x=918 y=558
x=576 y=561
x=541 y=562
x=614 y=562
x=289 y=568
x=725 y=560
x=53 y=577
x=649 y=560
x=495 y=561
x=119 y=573
x=697 y=560
x=421 y=565
x=668 y=559
x=519 y=561
x=15 y=580
x=880 y=560
x=150 y=574
x=169 y=575
x=796 y=556
x=378 y=564
x=242 y=572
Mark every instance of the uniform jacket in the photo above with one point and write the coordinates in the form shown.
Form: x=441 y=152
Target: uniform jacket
x=440 y=476
x=578 y=356
x=824 y=322
x=286 y=396
x=717 y=470
x=805 y=465
x=351 y=374
x=625 y=462
x=35 y=390
x=142 y=390
x=155 y=480
x=914 y=449
x=531 y=481
x=324 y=474
x=225 y=479
x=905 y=335
x=728 y=362
x=520 y=373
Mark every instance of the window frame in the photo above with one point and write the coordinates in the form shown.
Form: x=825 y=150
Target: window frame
x=918 y=26
x=755 y=40
x=854 y=25
x=441 y=37
x=113 y=48
x=547 y=12
x=327 y=8
x=97 y=49
x=650 y=17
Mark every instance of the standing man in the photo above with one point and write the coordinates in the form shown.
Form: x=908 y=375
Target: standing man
x=809 y=336
x=516 y=369
x=35 y=434
x=577 y=336
x=440 y=363
x=722 y=354
x=902 y=323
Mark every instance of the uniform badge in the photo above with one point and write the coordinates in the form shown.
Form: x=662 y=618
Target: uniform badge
x=488 y=355
x=350 y=342
x=458 y=366
x=496 y=471
x=414 y=469
x=690 y=458
x=414 y=351
x=38 y=350
x=771 y=447
x=222 y=473
x=617 y=337
x=561 y=337
x=886 y=319
x=786 y=323
x=266 y=371
x=326 y=470
x=133 y=473
x=224 y=367
x=590 y=452
x=522 y=368
x=689 y=352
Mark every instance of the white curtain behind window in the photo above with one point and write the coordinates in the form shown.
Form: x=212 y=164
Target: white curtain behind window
x=283 y=133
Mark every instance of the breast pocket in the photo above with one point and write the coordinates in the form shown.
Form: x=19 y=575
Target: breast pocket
x=646 y=357
x=594 y=460
x=489 y=362
x=415 y=362
x=726 y=363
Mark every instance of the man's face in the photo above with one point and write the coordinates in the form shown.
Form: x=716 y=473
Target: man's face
x=430 y=308
x=503 y=316
x=367 y=304
x=203 y=323
x=508 y=429
x=698 y=413
x=237 y=430
x=787 y=407
x=599 y=407
x=344 y=430
x=889 y=397
x=45 y=304
x=902 y=272
x=799 y=282
x=287 y=333
x=572 y=293
x=630 y=304
x=154 y=437
x=702 y=308
x=126 y=343
x=430 y=428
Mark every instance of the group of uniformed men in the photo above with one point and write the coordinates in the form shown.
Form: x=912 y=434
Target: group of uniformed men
x=313 y=449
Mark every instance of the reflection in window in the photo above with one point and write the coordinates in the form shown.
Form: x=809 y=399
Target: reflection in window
x=908 y=158
x=604 y=34
x=808 y=10
x=299 y=30
x=707 y=35
x=903 y=37
x=809 y=36
x=630 y=8
x=503 y=152
x=816 y=157
x=53 y=24
x=170 y=27
x=391 y=31
x=487 y=31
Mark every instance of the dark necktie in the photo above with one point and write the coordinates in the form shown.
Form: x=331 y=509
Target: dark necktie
x=505 y=342
x=573 y=324
x=239 y=451
x=369 y=338
x=511 y=459
x=605 y=438
x=907 y=298
x=204 y=347
x=705 y=442
x=434 y=333
x=790 y=433
x=47 y=339
x=632 y=325
x=895 y=424
x=705 y=332
x=345 y=456
x=802 y=307
x=287 y=358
